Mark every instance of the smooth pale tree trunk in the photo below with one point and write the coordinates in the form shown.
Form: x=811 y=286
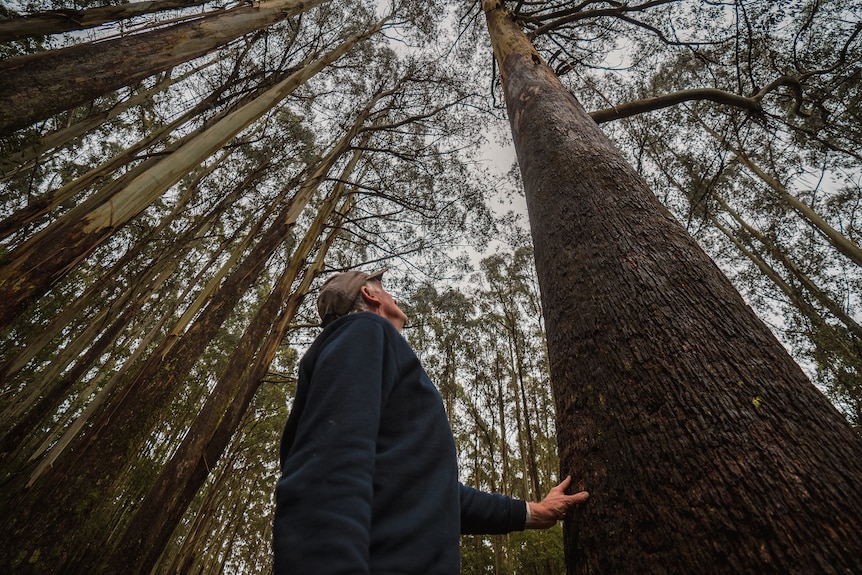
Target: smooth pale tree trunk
x=46 y=257
x=47 y=202
x=704 y=446
x=36 y=86
x=793 y=295
x=778 y=254
x=56 y=21
x=836 y=238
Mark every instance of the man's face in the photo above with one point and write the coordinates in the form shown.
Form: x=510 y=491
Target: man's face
x=388 y=307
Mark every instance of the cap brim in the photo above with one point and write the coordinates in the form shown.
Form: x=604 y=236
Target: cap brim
x=377 y=275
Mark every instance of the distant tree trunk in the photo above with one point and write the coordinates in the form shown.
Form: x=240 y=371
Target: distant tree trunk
x=836 y=238
x=778 y=254
x=705 y=447
x=36 y=86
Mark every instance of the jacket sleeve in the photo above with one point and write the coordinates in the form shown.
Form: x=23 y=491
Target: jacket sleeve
x=490 y=513
x=324 y=498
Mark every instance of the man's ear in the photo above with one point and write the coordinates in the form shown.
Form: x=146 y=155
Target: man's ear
x=370 y=297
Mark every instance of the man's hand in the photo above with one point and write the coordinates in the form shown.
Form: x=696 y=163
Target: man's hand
x=554 y=506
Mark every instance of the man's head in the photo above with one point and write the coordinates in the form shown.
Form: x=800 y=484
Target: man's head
x=354 y=291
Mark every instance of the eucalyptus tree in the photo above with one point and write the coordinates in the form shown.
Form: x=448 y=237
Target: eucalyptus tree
x=674 y=401
x=511 y=329
x=227 y=529
x=816 y=284
x=514 y=309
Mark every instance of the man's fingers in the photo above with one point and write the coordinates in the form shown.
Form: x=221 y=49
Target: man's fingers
x=580 y=497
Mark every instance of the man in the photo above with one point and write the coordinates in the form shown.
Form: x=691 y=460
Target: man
x=369 y=472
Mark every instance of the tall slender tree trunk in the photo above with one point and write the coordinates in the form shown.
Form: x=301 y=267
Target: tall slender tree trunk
x=45 y=395
x=36 y=86
x=50 y=200
x=705 y=447
x=779 y=255
x=838 y=240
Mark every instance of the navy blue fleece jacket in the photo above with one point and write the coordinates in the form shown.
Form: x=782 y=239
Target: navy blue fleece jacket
x=369 y=471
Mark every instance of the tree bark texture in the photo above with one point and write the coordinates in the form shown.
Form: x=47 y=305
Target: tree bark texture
x=36 y=86
x=704 y=446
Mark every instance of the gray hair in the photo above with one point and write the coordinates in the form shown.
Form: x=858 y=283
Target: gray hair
x=359 y=303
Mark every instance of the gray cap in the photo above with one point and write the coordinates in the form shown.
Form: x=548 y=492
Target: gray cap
x=339 y=292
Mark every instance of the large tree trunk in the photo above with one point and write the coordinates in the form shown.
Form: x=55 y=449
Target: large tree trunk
x=37 y=86
x=705 y=447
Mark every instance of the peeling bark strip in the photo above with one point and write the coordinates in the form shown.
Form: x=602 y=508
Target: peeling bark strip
x=37 y=86
x=704 y=446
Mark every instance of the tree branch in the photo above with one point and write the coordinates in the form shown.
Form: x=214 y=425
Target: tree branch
x=567 y=16
x=672 y=99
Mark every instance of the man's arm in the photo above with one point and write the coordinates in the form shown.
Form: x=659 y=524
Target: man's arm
x=491 y=513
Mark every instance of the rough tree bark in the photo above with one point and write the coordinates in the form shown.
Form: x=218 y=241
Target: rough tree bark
x=705 y=447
